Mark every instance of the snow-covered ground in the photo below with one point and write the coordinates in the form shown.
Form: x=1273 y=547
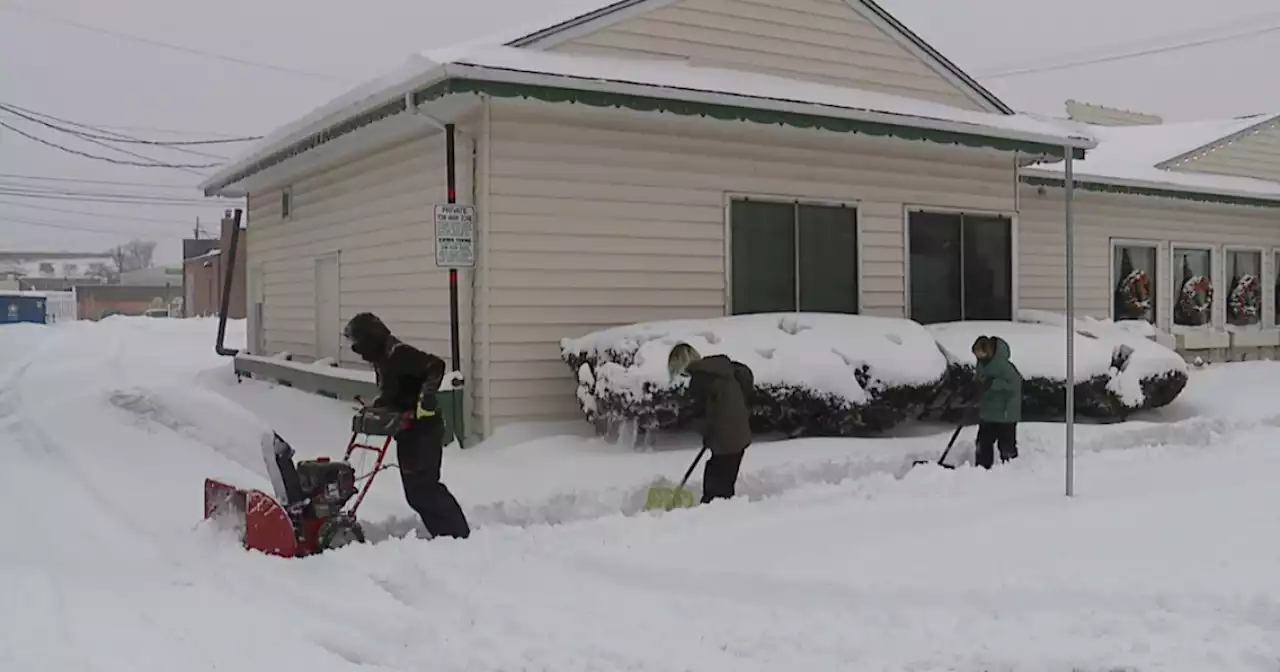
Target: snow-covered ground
x=839 y=557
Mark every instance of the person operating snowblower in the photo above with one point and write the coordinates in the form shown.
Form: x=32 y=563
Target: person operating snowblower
x=408 y=380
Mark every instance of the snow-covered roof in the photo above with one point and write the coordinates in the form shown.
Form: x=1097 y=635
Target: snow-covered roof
x=1131 y=155
x=654 y=79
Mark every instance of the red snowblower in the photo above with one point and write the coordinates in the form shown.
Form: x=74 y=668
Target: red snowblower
x=309 y=513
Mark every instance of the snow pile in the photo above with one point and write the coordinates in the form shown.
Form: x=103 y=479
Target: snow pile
x=1117 y=371
x=815 y=374
x=1165 y=562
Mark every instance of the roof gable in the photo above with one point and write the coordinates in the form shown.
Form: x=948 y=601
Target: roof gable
x=1138 y=160
x=610 y=14
x=1242 y=130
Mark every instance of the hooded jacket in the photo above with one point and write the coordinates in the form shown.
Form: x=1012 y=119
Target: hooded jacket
x=402 y=370
x=721 y=390
x=999 y=386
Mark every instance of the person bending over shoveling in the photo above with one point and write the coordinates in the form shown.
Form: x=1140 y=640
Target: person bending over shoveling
x=999 y=385
x=721 y=389
x=408 y=380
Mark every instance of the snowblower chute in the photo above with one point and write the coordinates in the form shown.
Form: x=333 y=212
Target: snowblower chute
x=309 y=513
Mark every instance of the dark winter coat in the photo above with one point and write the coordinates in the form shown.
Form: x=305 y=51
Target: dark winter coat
x=402 y=370
x=721 y=390
x=999 y=386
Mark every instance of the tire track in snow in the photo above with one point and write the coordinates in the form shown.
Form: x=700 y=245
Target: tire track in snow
x=101 y=518
x=27 y=496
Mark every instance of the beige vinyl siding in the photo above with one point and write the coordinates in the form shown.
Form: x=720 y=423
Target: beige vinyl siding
x=1101 y=217
x=601 y=218
x=817 y=40
x=376 y=212
x=1256 y=155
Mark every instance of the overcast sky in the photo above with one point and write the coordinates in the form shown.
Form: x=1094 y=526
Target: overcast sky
x=86 y=75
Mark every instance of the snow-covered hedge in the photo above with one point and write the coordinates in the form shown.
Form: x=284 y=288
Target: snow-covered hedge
x=815 y=374
x=1117 y=369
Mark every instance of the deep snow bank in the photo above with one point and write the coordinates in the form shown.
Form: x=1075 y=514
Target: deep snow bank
x=1165 y=562
x=815 y=374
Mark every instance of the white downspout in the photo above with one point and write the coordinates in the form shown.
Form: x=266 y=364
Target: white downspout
x=486 y=275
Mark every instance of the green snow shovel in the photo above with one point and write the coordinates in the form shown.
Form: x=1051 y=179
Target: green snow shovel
x=666 y=498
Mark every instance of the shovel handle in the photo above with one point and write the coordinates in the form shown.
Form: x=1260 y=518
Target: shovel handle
x=696 y=460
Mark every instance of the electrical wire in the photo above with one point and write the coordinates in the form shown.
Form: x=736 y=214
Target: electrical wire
x=108 y=159
x=136 y=155
x=72 y=227
x=90 y=199
x=96 y=215
x=26 y=114
x=1139 y=53
x=53 y=18
x=28 y=190
x=51 y=178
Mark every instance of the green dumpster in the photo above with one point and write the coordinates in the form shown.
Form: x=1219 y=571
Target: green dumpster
x=453 y=410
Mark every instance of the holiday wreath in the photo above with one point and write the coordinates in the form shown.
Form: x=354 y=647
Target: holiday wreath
x=1135 y=294
x=1244 y=303
x=1195 y=302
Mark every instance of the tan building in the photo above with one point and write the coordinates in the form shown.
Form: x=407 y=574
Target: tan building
x=1193 y=206
x=660 y=159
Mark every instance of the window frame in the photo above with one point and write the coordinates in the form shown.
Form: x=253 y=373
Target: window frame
x=286 y=202
x=1015 y=269
x=1262 y=279
x=795 y=201
x=1155 y=282
x=1217 y=316
x=1271 y=273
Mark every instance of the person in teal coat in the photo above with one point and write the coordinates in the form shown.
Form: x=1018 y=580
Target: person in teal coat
x=999 y=385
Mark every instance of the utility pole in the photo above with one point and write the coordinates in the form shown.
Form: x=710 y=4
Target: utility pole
x=197 y=228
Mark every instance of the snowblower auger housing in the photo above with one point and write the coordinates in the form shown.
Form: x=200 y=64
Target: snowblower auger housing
x=309 y=513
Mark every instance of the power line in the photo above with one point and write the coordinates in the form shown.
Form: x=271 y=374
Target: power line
x=72 y=227
x=90 y=199
x=50 y=178
x=164 y=45
x=120 y=137
x=1140 y=53
x=127 y=152
x=120 y=162
x=29 y=190
x=86 y=213
x=90 y=137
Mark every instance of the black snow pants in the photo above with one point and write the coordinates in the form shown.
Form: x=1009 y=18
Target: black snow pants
x=720 y=476
x=991 y=434
x=419 y=452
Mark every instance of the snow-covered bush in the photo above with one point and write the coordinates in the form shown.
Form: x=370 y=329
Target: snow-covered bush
x=816 y=374
x=1118 y=370
x=1150 y=375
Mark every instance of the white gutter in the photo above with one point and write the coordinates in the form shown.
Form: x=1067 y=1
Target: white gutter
x=1147 y=184
x=778 y=105
x=406 y=87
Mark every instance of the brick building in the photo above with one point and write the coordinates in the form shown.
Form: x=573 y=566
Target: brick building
x=204 y=273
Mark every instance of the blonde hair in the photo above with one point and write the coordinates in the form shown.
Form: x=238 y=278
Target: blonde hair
x=682 y=355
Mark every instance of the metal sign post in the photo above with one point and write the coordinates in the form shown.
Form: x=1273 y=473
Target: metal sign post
x=1071 y=324
x=455 y=248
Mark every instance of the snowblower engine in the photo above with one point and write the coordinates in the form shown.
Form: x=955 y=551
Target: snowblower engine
x=329 y=485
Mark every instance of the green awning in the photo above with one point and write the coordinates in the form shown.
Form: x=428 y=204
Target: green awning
x=1088 y=184
x=559 y=94
x=601 y=99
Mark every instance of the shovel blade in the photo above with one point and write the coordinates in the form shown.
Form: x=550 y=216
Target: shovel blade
x=667 y=498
